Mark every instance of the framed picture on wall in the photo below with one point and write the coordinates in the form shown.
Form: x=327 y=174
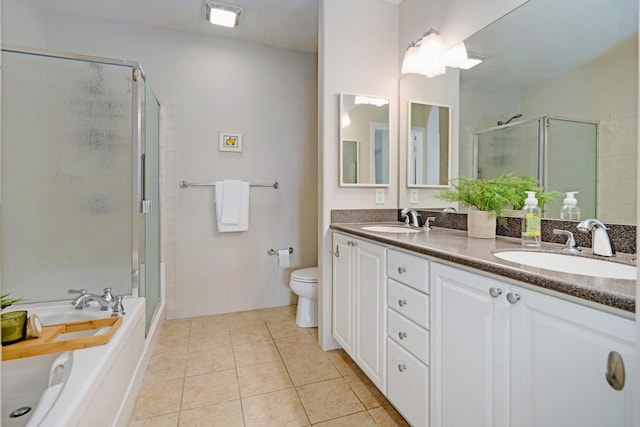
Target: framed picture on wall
x=229 y=141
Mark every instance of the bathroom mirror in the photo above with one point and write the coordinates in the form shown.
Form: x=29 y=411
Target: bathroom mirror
x=428 y=146
x=569 y=60
x=364 y=141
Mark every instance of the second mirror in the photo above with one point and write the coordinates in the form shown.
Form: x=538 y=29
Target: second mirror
x=429 y=145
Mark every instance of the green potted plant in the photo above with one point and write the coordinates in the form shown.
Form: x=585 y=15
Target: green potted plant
x=14 y=323
x=488 y=198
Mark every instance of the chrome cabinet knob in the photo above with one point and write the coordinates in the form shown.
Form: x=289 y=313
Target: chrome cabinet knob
x=495 y=292
x=402 y=302
x=402 y=335
x=402 y=270
x=615 y=371
x=402 y=367
x=513 y=298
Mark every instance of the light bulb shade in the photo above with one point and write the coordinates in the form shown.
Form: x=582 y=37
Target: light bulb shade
x=222 y=14
x=432 y=54
x=470 y=62
x=456 y=56
x=411 y=62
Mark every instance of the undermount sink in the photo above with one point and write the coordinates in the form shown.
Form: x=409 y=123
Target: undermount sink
x=570 y=264
x=390 y=229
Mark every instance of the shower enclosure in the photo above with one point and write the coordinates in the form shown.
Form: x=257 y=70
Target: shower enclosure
x=80 y=142
x=559 y=152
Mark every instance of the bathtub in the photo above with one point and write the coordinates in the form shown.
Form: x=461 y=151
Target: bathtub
x=88 y=387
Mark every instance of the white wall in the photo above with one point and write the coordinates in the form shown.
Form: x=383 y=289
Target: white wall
x=268 y=95
x=357 y=51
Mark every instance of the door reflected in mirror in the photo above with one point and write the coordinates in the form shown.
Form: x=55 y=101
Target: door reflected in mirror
x=429 y=145
x=364 y=141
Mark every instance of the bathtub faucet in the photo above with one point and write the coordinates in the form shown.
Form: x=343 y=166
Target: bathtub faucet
x=105 y=300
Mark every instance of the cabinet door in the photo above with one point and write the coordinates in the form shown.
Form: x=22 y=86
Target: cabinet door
x=470 y=349
x=343 y=291
x=370 y=311
x=408 y=387
x=559 y=364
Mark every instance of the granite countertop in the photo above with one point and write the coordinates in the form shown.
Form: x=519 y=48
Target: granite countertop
x=456 y=247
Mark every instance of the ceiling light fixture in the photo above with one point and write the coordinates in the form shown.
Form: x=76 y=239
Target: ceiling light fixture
x=429 y=57
x=223 y=14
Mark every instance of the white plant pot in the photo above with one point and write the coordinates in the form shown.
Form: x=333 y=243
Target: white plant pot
x=481 y=225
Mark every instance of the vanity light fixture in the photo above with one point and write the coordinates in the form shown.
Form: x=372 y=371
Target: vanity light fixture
x=429 y=57
x=222 y=14
x=378 y=102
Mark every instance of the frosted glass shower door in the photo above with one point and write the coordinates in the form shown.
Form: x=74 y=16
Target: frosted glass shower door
x=511 y=149
x=67 y=185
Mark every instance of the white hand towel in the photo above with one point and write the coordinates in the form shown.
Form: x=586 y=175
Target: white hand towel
x=238 y=206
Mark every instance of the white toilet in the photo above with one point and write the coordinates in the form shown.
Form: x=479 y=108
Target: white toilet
x=304 y=283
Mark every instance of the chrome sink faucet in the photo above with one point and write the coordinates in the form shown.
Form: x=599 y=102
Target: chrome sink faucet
x=601 y=243
x=105 y=300
x=570 y=245
x=411 y=217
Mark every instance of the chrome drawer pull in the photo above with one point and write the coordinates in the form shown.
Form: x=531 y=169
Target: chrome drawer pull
x=337 y=252
x=402 y=270
x=402 y=335
x=402 y=367
x=402 y=302
x=495 y=292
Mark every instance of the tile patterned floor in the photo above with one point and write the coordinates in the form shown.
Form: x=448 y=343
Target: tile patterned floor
x=254 y=368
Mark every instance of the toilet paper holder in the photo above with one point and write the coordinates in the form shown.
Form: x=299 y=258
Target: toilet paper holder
x=271 y=252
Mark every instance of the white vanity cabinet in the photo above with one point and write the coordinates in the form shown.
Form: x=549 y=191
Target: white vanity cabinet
x=408 y=339
x=359 y=303
x=559 y=361
x=508 y=356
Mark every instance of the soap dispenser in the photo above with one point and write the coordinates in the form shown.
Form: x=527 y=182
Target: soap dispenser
x=570 y=209
x=531 y=221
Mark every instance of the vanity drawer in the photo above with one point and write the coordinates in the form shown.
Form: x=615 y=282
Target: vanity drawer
x=407 y=384
x=410 y=336
x=408 y=302
x=408 y=269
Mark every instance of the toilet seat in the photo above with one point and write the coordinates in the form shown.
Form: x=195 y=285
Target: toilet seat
x=306 y=275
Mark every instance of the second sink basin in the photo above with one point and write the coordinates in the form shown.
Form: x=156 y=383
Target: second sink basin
x=570 y=264
x=390 y=229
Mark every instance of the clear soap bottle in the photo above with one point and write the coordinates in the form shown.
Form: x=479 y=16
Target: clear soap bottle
x=570 y=209
x=531 y=227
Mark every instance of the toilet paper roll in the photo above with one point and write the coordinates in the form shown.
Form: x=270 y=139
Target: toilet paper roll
x=283 y=258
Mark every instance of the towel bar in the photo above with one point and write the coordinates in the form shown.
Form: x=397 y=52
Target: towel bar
x=185 y=184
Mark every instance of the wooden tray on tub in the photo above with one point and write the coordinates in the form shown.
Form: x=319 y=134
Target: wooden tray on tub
x=47 y=343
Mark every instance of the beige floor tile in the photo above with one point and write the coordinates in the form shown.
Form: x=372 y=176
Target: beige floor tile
x=366 y=391
x=209 y=341
x=256 y=352
x=262 y=411
x=203 y=362
x=207 y=322
x=166 y=366
x=279 y=314
x=173 y=344
x=158 y=399
x=387 y=416
x=296 y=346
x=310 y=369
x=313 y=332
x=169 y=420
x=285 y=328
x=328 y=399
x=343 y=363
x=244 y=318
x=209 y=389
x=176 y=327
x=227 y=414
x=360 y=419
x=250 y=333
x=263 y=378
